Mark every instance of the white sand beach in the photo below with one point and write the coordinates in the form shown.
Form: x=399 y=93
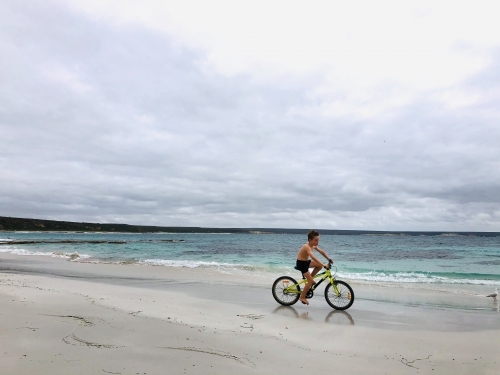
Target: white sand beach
x=61 y=317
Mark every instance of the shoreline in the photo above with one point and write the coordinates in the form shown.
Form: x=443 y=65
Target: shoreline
x=60 y=317
x=477 y=287
x=469 y=297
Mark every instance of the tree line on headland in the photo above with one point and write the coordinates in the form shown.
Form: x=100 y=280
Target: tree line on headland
x=40 y=225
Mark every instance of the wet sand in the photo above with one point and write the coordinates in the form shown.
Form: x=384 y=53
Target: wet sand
x=60 y=317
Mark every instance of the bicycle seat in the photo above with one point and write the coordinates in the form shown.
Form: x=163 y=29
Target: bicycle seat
x=300 y=272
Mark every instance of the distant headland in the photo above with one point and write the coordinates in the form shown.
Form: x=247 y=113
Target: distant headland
x=12 y=224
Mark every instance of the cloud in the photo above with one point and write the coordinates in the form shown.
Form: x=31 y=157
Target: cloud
x=109 y=114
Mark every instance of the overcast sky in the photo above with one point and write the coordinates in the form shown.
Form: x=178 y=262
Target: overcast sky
x=381 y=115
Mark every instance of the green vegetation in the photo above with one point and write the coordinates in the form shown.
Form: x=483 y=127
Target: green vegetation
x=39 y=225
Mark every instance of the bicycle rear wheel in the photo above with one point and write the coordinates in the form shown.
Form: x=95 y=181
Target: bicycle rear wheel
x=285 y=290
x=343 y=300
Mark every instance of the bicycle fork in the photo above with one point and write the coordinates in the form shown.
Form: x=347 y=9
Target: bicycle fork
x=334 y=286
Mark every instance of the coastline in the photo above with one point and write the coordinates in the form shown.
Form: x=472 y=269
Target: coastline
x=27 y=225
x=62 y=316
x=466 y=264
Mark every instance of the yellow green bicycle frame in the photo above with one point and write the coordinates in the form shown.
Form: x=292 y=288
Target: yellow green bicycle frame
x=324 y=275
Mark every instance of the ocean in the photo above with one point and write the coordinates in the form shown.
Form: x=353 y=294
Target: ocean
x=392 y=259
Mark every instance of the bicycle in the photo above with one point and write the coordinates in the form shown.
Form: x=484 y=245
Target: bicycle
x=338 y=294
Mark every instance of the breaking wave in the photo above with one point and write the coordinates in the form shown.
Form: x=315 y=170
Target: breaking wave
x=56 y=254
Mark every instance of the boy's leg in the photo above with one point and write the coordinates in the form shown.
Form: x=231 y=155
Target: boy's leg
x=317 y=267
x=310 y=282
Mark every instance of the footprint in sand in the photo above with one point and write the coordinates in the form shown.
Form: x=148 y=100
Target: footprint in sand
x=251 y=316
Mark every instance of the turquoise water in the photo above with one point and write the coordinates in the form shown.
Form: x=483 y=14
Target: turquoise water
x=422 y=260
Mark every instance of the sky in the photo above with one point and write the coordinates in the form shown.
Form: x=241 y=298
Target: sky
x=271 y=114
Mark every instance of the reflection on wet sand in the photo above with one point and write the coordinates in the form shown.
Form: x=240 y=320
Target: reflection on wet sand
x=339 y=317
x=286 y=311
x=334 y=316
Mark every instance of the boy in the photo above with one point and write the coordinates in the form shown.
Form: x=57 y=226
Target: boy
x=304 y=263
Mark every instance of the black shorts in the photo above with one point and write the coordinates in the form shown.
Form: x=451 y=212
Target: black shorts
x=303 y=265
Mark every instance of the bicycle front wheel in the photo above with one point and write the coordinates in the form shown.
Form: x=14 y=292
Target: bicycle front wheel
x=341 y=301
x=286 y=291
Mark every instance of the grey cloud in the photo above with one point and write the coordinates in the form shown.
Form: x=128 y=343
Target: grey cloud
x=117 y=123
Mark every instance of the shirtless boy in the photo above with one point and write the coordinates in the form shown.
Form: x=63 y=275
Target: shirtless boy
x=304 y=263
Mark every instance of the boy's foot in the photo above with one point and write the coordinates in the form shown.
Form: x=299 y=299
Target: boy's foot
x=304 y=301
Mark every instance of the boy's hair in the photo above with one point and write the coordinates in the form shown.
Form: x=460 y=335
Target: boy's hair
x=312 y=234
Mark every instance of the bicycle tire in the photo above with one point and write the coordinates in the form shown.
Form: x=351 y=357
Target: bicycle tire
x=279 y=294
x=344 y=300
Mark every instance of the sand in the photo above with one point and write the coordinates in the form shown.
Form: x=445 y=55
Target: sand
x=61 y=317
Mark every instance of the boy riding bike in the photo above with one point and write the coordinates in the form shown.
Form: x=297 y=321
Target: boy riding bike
x=304 y=263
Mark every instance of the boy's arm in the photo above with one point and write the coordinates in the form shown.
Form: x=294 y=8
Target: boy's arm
x=313 y=257
x=323 y=253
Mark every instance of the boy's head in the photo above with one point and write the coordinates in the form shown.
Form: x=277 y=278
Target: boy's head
x=312 y=234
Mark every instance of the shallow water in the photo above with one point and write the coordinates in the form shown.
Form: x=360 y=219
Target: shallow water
x=465 y=264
